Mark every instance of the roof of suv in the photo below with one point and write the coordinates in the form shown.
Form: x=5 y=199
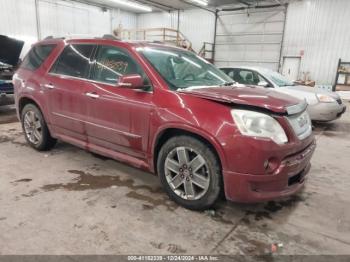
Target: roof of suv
x=102 y=40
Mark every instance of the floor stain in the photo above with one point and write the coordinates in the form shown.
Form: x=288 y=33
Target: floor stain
x=12 y=138
x=172 y=248
x=275 y=206
x=31 y=193
x=258 y=215
x=332 y=129
x=251 y=246
x=23 y=180
x=272 y=207
x=154 y=202
x=218 y=216
x=87 y=181
x=4 y=139
x=18 y=143
x=147 y=207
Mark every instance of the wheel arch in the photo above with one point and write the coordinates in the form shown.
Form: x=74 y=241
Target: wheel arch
x=169 y=132
x=25 y=100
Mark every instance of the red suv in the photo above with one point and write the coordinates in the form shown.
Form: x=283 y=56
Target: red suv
x=168 y=111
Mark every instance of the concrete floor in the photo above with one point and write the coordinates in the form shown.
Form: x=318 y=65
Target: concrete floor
x=68 y=201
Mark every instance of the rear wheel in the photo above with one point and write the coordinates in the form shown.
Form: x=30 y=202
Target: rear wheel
x=35 y=129
x=189 y=172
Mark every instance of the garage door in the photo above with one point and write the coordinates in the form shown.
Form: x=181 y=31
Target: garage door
x=250 y=38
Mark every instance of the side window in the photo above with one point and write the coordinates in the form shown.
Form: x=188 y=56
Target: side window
x=74 y=61
x=37 y=56
x=261 y=79
x=113 y=62
x=249 y=77
x=236 y=76
x=230 y=73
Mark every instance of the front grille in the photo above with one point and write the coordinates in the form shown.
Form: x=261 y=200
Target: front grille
x=339 y=101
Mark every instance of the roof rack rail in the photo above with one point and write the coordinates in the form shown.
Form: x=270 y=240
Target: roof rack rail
x=50 y=37
x=109 y=36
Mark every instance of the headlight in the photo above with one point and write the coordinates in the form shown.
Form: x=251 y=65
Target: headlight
x=325 y=98
x=251 y=123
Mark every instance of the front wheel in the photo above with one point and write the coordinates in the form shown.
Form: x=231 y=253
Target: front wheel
x=189 y=172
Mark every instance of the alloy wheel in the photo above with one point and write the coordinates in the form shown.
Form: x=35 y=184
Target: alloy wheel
x=32 y=127
x=187 y=173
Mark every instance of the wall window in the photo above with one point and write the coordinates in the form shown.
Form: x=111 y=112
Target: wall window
x=36 y=56
x=75 y=60
x=112 y=63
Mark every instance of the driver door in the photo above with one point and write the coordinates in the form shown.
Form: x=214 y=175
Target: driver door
x=118 y=116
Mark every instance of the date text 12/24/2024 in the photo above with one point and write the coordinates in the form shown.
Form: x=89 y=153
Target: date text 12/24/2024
x=173 y=258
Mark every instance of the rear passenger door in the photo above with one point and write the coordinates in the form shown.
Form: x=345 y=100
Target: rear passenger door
x=66 y=87
x=119 y=116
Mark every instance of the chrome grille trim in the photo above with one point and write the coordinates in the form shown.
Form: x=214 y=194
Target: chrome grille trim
x=295 y=121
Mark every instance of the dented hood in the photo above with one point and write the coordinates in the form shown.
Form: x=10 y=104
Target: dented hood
x=10 y=50
x=250 y=96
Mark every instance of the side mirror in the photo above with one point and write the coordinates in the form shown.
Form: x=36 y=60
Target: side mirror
x=263 y=84
x=134 y=81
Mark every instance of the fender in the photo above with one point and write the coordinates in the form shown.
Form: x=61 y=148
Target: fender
x=192 y=129
x=29 y=96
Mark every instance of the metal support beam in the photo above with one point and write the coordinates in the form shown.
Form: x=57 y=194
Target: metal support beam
x=37 y=17
x=215 y=33
x=198 y=6
x=178 y=21
x=228 y=9
x=282 y=42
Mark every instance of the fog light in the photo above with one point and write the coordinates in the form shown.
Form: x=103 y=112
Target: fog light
x=270 y=164
x=266 y=164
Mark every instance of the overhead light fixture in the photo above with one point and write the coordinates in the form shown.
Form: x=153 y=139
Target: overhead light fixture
x=133 y=5
x=200 y=2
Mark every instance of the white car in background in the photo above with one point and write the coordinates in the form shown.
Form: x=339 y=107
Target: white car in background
x=323 y=106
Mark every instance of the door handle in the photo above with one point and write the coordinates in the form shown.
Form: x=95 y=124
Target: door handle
x=92 y=95
x=49 y=86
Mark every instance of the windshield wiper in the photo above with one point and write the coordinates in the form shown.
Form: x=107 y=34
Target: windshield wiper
x=228 y=83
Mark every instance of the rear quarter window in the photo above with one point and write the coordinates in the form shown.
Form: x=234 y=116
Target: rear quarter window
x=75 y=60
x=36 y=56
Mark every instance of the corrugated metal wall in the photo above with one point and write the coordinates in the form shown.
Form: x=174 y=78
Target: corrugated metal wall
x=58 y=18
x=158 y=19
x=321 y=30
x=18 y=20
x=197 y=25
x=250 y=38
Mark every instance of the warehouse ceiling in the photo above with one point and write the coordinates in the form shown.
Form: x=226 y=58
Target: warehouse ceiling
x=169 y=5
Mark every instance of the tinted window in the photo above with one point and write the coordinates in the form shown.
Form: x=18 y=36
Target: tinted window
x=183 y=69
x=113 y=62
x=37 y=56
x=248 y=77
x=74 y=61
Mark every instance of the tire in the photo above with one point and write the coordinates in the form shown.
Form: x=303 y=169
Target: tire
x=35 y=129
x=204 y=174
